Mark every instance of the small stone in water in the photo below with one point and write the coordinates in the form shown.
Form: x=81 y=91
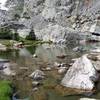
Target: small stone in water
x=70 y=64
x=24 y=68
x=48 y=68
x=1 y=67
x=62 y=70
x=56 y=64
x=35 y=89
x=37 y=75
x=74 y=59
x=76 y=49
x=34 y=56
x=61 y=57
x=62 y=64
x=35 y=83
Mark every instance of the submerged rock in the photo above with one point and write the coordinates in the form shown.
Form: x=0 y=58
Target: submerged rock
x=48 y=68
x=56 y=64
x=61 y=70
x=35 y=89
x=97 y=65
x=38 y=75
x=35 y=83
x=81 y=75
x=1 y=67
x=34 y=56
x=79 y=49
x=61 y=57
x=96 y=50
x=23 y=68
x=88 y=99
x=4 y=60
x=95 y=58
x=94 y=38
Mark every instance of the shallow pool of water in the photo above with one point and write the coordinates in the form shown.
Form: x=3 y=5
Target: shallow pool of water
x=24 y=64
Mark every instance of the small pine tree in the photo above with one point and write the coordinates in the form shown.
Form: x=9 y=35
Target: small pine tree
x=31 y=35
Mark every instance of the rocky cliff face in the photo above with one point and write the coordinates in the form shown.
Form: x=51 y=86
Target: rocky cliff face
x=54 y=19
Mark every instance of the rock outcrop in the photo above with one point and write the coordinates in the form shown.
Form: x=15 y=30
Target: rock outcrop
x=54 y=18
x=81 y=75
x=56 y=34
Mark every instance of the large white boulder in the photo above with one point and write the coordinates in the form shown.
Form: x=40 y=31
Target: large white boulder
x=81 y=75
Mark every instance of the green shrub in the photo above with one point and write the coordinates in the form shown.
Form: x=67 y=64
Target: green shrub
x=5 y=90
x=5 y=33
x=29 y=37
x=16 y=36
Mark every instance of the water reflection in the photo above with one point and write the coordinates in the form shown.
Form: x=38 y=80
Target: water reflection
x=24 y=53
x=48 y=53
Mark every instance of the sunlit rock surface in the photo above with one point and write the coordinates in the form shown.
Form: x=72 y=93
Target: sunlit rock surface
x=56 y=34
x=40 y=14
x=3 y=4
x=81 y=75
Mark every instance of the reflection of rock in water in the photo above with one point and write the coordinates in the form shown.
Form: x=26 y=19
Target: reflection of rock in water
x=24 y=52
x=24 y=57
x=31 y=49
x=48 y=53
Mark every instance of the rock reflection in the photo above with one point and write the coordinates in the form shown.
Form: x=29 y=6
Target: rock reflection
x=48 y=53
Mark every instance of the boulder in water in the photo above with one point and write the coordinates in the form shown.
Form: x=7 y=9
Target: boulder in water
x=81 y=75
x=7 y=70
x=37 y=75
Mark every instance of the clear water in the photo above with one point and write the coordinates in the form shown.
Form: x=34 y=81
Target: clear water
x=46 y=57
